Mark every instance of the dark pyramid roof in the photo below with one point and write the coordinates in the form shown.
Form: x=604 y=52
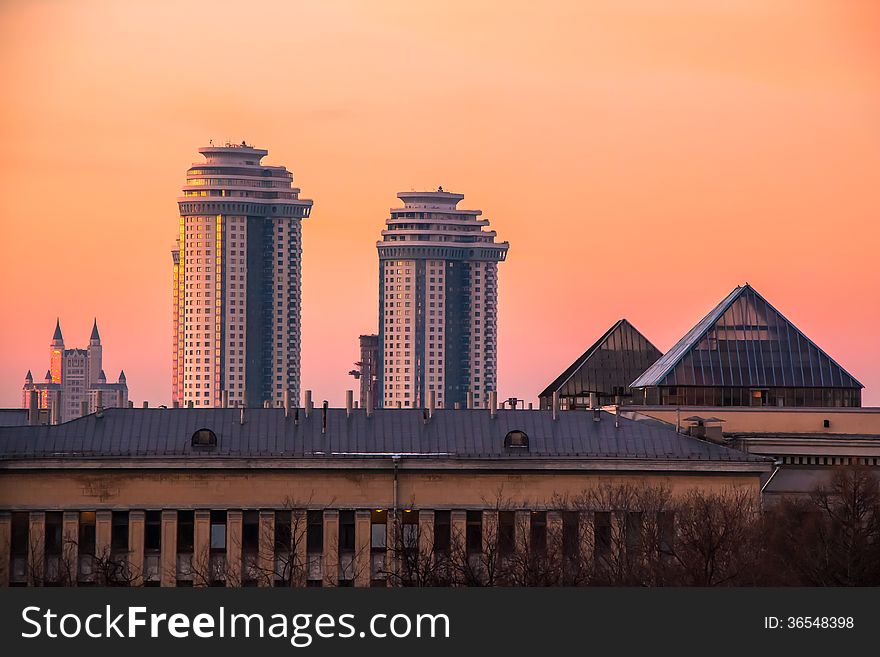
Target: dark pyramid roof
x=48 y=375
x=29 y=376
x=745 y=342
x=102 y=376
x=621 y=354
x=95 y=335
x=121 y=378
x=58 y=335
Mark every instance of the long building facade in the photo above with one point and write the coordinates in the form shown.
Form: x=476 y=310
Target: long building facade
x=438 y=297
x=237 y=274
x=327 y=497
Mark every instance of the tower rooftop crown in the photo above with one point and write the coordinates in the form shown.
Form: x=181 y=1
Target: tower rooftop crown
x=57 y=335
x=230 y=153
x=438 y=199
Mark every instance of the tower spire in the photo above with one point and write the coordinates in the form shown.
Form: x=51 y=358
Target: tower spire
x=95 y=335
x=57 y=335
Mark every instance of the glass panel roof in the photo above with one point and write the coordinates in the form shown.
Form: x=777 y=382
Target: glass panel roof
x=746 y=342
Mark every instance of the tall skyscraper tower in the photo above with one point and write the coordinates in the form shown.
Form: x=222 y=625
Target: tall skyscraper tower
x=237 y=273
x=438 y=297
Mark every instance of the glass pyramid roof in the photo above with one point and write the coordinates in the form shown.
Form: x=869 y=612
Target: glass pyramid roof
x=746 y=342
x=615 y=358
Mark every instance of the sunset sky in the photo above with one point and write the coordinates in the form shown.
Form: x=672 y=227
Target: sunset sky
x=642 y=157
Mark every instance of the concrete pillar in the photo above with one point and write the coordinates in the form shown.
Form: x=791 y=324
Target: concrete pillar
x=202 y=548
x=136 y=546
x=522 y=526
x=490 y=531
x=103 y=533
x=5 y=546
x=426 y=533
x=69 y=545
x=331 y=548
x=266 y=550
x=168 y=558
x=554 y=533
x=36 y=548
x=233 y=547
x=393 y=545
x=299 y=559
x=362 y=546
x=586 y=535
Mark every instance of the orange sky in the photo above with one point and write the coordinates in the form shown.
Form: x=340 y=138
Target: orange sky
x=642 y=157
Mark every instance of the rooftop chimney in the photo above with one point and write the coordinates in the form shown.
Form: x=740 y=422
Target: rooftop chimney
x=175 y=404
x=432 y=401
x=470 y=399
x=224 y=399
x=33 y=408
x=120 y=399
x=285 y=400
x=99 y=401
x=324 y=416
x=146 y=404
x=597 y=414
x=555 y=405
x=617 y=417
x=369 y=402
x=349 y=402
x=83 y=408
x=267 y=403
x=130 y=404
x=241 y=415
x=493 y=404
x=55 y=413
x=308 y=403
x=593 y=403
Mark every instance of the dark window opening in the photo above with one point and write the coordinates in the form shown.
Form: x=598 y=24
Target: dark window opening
x=442 y=531
x=506 y=532
x=153 y=531
x=474 y=532
x=346 y=531
x=185 y=531
x=315 y=531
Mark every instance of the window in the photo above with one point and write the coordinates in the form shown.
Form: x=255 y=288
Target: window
x=442 y=531
x=346 y=531
x=602 y=534
x=204 y=438
x=517 y=439
x=474 y=532
x=185 y=531
x=378 y=529
x=54 y=538
x=315 y=531
x=153 y=531
x=218 y=531
x=250 y=531
x=86 y=533
x=119 y=531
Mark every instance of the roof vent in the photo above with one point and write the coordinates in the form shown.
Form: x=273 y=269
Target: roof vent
x=204 y=439
x=516 y=439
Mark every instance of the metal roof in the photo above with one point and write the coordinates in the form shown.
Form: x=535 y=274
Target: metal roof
x=460 y=434
x=744 y=342
x=13 y=417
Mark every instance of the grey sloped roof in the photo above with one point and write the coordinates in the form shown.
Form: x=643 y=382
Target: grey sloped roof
x=463 y=434
x=745 y=341
x=13 y=417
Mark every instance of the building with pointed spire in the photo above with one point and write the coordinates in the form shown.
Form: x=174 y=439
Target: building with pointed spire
x=74 y=377
x=746 y=353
